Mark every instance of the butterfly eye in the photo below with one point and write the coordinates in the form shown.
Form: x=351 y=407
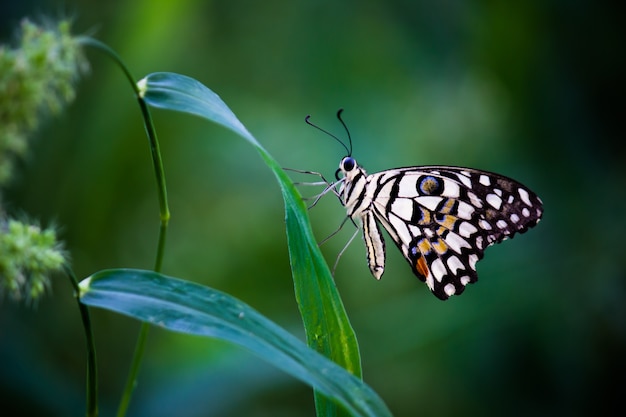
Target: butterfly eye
x=348 y=163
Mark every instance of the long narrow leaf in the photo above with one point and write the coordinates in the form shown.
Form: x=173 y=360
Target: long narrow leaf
x=326 y=324
x=172 y=91
x=190 y=308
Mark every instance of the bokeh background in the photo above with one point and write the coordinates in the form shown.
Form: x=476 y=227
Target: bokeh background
x=533 y=90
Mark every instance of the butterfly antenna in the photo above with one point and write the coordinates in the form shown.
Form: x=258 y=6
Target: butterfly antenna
x=347 y=131
x=306 y=119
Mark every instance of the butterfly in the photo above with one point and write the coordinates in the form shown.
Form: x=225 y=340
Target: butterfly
x=442 y=218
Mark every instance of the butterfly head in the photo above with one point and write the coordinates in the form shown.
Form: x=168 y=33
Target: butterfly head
x=348 y=167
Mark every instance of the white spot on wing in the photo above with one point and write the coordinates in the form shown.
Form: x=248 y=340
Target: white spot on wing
x=501 y=224
x=430 y=202
x=514 y=218
x=451 y=189
x=474 y=200
x=494 y=201
x=465 y=179
x=438 y=269
x=414 y=230
x=467 y=229
x=403 y=208
x=465 y=211
x=473 y=258
x=465 y=280
x=525 y=212
x=383 y=193
x=456 y=242
x=406 y=187
x=524 y=195
x=455 y=264
x=449 y=289
x=484 y=180
x=484 y=224
x=429 y=281
x=401 y=229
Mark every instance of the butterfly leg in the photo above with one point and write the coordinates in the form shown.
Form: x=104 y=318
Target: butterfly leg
x=356 y=232
x=327 y=238
x=317 y=174
x=330 y=186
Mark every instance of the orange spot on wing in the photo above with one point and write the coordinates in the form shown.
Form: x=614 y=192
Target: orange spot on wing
x=440 y=246
x=424 y=246
x=448 y=221
x=425 y=218
x=447 y=206
x=421 y=267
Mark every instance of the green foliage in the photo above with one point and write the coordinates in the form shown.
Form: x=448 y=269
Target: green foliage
x=190 y=308
x=39 y=80
x=28 y=255
x=529 y=89
x=326 y=324
x=36 y=78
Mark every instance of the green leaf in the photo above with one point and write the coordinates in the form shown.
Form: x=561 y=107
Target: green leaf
x=190 y=308
x=171 y=91
x=326 y=324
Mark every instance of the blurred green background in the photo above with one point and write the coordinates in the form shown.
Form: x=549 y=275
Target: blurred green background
x=533 y=90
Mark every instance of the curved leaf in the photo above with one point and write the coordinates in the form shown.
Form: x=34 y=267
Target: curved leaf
x=326 y=324
x=181 y=93
x=187 y=307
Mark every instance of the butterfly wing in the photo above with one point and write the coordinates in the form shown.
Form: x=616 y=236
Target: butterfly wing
x=442 y=218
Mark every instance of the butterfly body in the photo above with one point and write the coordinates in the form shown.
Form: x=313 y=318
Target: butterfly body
x=442 y=218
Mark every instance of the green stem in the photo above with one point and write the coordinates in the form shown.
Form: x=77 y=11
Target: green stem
x=164 y=212
x=155 y=151
x=161 y=245
x=94 y=43
x=92 y=369
x=157 y=162
x=131 y=381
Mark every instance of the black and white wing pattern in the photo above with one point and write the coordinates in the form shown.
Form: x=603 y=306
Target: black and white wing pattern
x=442 y=218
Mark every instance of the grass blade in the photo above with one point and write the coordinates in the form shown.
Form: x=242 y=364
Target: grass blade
x=326 y=324
x=190 y=308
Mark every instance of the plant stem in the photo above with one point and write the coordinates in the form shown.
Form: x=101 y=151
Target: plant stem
x=164 y=214
x=131 y=381
x=159 y=172
x=92 y=368
x=94 y=43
